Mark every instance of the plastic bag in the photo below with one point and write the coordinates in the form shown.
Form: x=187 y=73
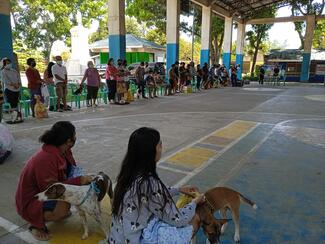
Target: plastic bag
x=44 y=91
x=6 y=140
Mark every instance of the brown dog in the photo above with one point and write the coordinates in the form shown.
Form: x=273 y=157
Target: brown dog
x=222 y=199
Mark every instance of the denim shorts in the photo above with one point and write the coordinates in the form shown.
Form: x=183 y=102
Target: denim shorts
x=49 y=205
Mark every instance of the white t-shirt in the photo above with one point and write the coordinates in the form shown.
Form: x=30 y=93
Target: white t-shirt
x=60 y=71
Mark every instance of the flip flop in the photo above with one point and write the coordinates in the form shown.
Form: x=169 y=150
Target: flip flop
x=38 y=232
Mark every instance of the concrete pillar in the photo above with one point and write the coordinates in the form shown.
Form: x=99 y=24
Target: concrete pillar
x=116 y=28
x=305 y=66
x=206 y=35
x=6 y=49
x=227 y=42
x=173 y=12
x=240 y=48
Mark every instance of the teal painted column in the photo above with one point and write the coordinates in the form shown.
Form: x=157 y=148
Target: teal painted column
x=240 y=48
x=205 y=35
x=305 y=66
x=6 y=48
x=172 y=28
x=226 y=57
x=116 y=26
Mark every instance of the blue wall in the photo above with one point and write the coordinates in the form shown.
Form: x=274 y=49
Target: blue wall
x=6 y=49
x=205 y=57
x=226 y=59
x=305 y=67
x=117 y=47
x=240 y=60
x=172 y=54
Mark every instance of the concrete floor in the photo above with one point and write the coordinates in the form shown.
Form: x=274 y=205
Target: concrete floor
x=269 y=144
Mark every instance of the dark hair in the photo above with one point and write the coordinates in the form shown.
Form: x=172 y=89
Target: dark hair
x=59 y=134
x=142 y=63
x=139 y=165
x=110 y=60
x=30 y=60
x=49 y=69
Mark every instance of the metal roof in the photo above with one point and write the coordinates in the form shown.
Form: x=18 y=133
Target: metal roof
x=239 y=9
x=131 y=42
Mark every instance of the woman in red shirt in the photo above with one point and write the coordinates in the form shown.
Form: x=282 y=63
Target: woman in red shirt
x=111 y=79
x=34 y=82
x=52 y=163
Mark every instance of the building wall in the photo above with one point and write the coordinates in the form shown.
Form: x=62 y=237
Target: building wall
x=131 y=57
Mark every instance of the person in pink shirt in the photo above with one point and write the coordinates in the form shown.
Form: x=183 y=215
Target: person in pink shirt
x=93 y=83
x=111 y=79
x=53 y=163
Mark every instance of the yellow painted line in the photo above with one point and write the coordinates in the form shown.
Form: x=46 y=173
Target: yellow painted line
x=69 y=231
x=192 y=156
x=234 y=131
x=216 y=140
x=195 y=156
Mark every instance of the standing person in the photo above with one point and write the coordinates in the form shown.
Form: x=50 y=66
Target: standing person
x=140 y=196
x=60 y=77
x=199 y=75
x=93 y=83
x=12 y=85
x=176 y=71
x=192 y=71
x=172 y=79
x=111 y=78
x=276 y=72
x=53 y=163
x=48 y=76
x=262 y=73
x=150 y=83
x=205 y=75
x=120 y=82
x=139 y=76
x=34 y=83
x=233 y=76
x=182 y=76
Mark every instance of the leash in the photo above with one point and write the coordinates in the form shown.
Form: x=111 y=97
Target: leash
x=209 y=203
x=93 y=187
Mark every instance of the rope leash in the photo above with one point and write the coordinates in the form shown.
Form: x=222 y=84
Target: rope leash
x=93 y=187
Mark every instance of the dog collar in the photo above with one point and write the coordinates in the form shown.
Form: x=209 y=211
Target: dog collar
x=91 y=187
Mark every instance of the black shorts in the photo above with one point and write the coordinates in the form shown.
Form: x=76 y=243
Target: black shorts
x=92 y=92
x=12 y=98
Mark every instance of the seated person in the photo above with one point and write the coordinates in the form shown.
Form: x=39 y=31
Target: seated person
x=140 y=196
x=150 y=82
x=160 y=83
x=52 y=163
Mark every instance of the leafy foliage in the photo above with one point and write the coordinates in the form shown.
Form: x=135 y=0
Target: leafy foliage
x=38 y=23
x=259 y=33
x=309 y=7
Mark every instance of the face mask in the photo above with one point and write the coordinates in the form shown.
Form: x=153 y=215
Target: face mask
x=59 y=62
x=8 y=66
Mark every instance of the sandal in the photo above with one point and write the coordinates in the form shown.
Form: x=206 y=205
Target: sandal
x=39 y=234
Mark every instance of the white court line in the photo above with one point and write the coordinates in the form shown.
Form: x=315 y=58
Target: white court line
x=23 y=235
x=170 y=113
x=184 y=180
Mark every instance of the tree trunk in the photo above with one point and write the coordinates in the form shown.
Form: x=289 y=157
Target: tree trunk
x=258 y=42
x=220 y=47
x=301 y=37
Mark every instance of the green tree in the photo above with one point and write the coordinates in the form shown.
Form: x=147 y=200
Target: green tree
x=156 y=36
x=307 y=7
x=259 y=33
x=319 y=35
x=38 y=23
x=23 y=53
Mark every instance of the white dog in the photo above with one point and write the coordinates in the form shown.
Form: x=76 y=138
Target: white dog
x=85 y=198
